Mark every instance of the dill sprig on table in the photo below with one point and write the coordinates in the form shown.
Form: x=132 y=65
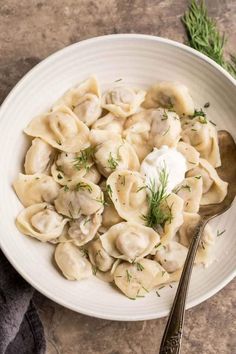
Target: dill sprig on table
x=156 y=214
x=204 y=36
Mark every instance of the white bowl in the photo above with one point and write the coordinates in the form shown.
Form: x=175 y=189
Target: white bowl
x=140 y=61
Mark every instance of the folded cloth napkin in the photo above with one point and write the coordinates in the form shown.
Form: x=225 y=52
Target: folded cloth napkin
x=21 y=331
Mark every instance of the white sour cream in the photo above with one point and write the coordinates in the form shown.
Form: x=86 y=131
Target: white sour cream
x=170 y=159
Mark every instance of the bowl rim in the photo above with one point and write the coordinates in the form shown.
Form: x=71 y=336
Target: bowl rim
x=39 y=66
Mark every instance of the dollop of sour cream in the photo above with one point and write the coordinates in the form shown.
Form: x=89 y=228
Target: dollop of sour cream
x=164 y=158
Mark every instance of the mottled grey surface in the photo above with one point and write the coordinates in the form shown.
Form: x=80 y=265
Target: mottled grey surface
x=30 y=30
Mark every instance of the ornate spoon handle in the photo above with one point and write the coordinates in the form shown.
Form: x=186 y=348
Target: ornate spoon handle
x=171 y=340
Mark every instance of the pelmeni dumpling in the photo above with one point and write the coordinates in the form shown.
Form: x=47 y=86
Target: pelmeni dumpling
x=123 y=101
x=128 y=194
x=83 y=229
x=137 y=131
x=61 y=129
x=165 y=128
x=190 y=190
x=129 y=241
x=170 y=95
x=79 y=197
x=173 y=205
x=110 y=216
x=115 y=154
x=202 y=134
x=41 y=221
x=214 y=189
x=37 y=188
x=99 y=257
x=186 y=232
x=39 y=157
x=71 y=166
x=109 y=123
x=84 y=100
x=191 y=155
x=72 y=262
x=172 y=256
x=136 y=280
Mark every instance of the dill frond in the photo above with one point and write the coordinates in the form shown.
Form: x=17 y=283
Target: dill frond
x=204 y=36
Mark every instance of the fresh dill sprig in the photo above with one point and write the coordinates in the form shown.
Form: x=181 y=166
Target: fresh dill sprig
x=84 y=159
x=139 y=266
x=204 y=36
x=157 y=194
x=198 y=113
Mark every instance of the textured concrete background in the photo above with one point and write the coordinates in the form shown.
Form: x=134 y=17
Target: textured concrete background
x=30 y=30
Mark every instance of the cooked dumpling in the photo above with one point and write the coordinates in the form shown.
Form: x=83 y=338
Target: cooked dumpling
x=115 y=154
x=41 y=221
x=190 y=190
x=165 y=128
x=186 y=232
x=83 y=230
x=72 y=262
x=201 y=134
x=128 y=194
x=109 y=123
x=71 y=166
x=37 y=188
x=190 y=153
x=39 y=157
x=137 y=131
x=173 y=205
x=172 y=256
x=214 y=189
x=61 y=129
x=84 y=100
x=129 y=241
x=79 y=197
x=110 y=216
x=99 y=257
x=136 y=280
x=123 y=101
x=170 y=95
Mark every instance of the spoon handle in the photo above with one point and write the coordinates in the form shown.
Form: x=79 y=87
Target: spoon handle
x=171 y=341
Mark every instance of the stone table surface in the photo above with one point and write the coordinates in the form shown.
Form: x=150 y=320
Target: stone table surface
x=30 y=30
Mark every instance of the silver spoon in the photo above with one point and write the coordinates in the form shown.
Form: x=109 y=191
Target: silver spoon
x=171 y=341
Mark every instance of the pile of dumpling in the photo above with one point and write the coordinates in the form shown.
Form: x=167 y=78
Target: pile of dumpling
x=83 y=191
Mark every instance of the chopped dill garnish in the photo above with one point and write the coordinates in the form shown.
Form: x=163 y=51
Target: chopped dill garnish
x=112 y=162
x=186 y=186
x=83 y=186
x=86 y=220
x=156 y=214
x=212 y=123
x=202 y=244
x=95 y=269
x=199 y=113
x=102 y=200
x=84 y=159
x=204 y=36
x=109 y=190
x=167 y=130
x=58 y=142
x=171 y=286
x=118 y=80
x=66 y=188
x=141 y=188
x=140 y=267
x=202 y=120
x=207 y=105
x=158 y=294
x=164 y=115
x=162 y=287
x=145 y=289
x=84 y=252
x=219 y=233
x=158 y=245
x=129 y=276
